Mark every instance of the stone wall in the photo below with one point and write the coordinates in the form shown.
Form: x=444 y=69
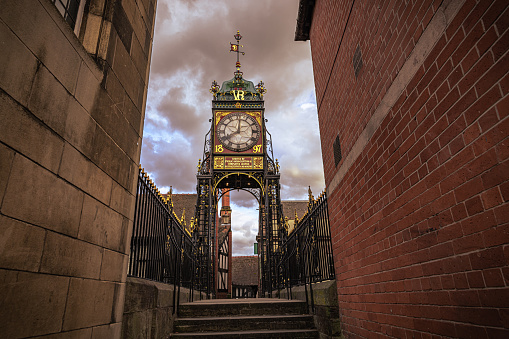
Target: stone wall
x=415 y=93
x=148 y=310
x=326 y=310
x=71 y=117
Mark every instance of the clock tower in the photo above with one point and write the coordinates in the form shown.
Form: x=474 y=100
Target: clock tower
x=238 y=155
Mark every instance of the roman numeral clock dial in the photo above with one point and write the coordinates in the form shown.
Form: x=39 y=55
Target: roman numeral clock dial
x=238 y=132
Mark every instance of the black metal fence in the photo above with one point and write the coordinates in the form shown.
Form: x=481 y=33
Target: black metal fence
x=161 y=249
x=306 y=253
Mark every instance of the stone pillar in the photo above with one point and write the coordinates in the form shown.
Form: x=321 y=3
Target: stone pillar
x=71 y=118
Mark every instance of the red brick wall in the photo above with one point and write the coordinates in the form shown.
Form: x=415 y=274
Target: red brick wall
x=420 y=219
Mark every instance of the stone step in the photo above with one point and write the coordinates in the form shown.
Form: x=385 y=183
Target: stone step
x=237 y=307
x=308 y=334
x=231 y=323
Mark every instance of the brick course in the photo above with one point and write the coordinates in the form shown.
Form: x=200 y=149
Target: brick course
x=419 y=214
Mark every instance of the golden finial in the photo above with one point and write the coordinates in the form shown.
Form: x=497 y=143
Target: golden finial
x=277 y=166
x=183 y=218
x=169 y=197
x=296 y=217
x=260 y=88
x=214 y=88
x=199 y=165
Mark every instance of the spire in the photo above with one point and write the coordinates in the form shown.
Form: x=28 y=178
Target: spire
x=237 y=89
x=235 y=48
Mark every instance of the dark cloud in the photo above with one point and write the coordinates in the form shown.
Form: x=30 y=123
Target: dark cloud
x=191 y=49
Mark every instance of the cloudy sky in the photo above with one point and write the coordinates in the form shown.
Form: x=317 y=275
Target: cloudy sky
x=191 y=49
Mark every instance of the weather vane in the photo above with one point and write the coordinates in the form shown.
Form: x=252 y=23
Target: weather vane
x=235 y=48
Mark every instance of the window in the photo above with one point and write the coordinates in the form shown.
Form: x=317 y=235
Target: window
x=337 y=151
x=72 y=11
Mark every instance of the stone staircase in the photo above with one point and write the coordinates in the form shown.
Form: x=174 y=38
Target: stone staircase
x=244 y=318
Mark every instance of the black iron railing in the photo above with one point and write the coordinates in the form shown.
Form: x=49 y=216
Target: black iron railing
x=161 y=249
x=306 y=253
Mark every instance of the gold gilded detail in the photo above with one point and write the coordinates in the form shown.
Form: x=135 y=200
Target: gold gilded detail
x=257 y=163
x=218 y=162
x=222 y=114
x=237 y=94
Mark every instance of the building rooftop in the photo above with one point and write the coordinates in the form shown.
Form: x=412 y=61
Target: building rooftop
x=245 y=270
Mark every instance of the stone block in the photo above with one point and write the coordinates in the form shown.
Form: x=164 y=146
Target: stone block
x=88 y=85
x=110 y=331
x=90 y=303
x=119 y=301
x=137 y=325
x=6 y=158
x=133 y=114
x=18 y=66
x=45 y=37
x=114 y=89
x=127 y=73
x=139 y=57
x=109 y=116
x=20 y=245
x=162 y=325
x=325 y=293
x=107 y=43
x=90 y=34
x=49 y=100
x=122 y=201
x=114 y=266
x=140 y=295
x=80 y=128
x=129 y=235
x=64 y=255
x=164 y=295
x=132 y=11
x=32 y=304
x=110 y=158
x=127 y=226
x=134 y=171
x=96 y=6
x=85 y=333
x=80 y=171
x=24 y=133
x=101 y=225
x=37 y=196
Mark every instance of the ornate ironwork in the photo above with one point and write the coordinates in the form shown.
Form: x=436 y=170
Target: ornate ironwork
x=204 y=233
x=161 y=248
x=306 y=253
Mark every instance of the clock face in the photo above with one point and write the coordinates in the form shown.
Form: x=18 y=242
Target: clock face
x=238 y=131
